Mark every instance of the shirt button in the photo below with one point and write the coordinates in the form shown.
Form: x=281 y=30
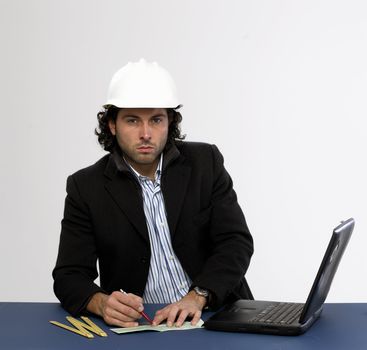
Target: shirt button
x=171 y=257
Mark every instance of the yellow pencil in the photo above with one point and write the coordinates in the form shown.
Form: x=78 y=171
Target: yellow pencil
x=98 y=330
x=89 y=325
x=71 y=329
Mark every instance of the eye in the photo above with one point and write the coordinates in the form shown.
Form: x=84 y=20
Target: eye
x=131 y=120
x=157 y=120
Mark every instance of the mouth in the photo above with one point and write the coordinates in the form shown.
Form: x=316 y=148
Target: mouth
x=145 y=149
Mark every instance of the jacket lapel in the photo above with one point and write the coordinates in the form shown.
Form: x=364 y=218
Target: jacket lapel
x=126 y=193
x=174 y=186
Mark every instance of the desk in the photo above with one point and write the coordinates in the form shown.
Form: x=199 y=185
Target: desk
x=25 y=326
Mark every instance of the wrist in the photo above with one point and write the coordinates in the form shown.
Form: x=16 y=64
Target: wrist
x=198 y=299
x=202 y=294
x=96 y=303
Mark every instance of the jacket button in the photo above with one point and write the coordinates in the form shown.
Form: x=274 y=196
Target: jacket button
x=144 y=260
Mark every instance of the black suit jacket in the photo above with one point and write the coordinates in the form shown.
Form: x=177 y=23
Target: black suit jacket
x=104 y=220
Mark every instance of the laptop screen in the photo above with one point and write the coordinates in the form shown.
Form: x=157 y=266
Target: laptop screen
x=328 y=267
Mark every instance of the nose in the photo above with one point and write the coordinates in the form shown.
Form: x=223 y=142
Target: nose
x=145 y=132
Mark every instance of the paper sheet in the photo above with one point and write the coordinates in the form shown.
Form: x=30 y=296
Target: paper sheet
x=159 y=328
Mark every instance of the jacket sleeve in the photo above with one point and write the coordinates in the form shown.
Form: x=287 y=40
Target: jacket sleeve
x=75 y=268
x=230 y=240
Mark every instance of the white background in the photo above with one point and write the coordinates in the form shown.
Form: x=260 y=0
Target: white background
x=279 y=86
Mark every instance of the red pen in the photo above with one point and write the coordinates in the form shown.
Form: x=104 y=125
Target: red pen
x=142 y=313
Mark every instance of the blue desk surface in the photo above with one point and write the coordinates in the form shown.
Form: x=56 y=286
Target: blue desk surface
x=26 y=326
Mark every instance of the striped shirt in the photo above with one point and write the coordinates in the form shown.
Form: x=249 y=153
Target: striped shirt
x=167 y=281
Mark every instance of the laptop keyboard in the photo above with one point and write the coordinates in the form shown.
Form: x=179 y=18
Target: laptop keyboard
x=281 y=313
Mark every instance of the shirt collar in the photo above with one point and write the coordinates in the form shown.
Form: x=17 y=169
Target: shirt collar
x=171 y=154
x=157 y=174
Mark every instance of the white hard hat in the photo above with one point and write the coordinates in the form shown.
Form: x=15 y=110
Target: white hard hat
x=142 y=85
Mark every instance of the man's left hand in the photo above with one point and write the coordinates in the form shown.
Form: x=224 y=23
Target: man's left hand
x=190 y=305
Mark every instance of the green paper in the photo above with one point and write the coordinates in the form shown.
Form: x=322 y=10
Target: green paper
x=160 y=328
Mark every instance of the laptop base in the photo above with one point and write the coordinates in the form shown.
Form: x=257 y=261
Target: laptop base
x=243 y=316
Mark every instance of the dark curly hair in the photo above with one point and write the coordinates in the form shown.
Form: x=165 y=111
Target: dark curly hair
x=108 y=141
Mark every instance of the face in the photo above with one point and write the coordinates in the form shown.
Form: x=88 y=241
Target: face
x=142 y=135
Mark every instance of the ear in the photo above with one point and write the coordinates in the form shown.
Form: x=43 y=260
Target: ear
x=112 y=126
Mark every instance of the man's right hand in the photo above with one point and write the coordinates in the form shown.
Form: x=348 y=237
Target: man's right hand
x=117 y=309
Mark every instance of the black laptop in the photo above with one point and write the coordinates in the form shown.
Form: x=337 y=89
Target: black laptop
x=269 y=317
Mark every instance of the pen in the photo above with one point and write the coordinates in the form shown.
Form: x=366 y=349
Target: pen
x=142 y=313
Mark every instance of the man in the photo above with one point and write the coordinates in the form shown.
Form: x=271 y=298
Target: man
x=158 y=214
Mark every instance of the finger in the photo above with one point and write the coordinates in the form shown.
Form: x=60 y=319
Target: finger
x=172 y=315
x=122 y=311
x=126 y=315
x=181 y=318
x=132 y=300
x=129 y=324
x=196 y=318
x=160 y=315
x=119 y=322
x=117 y=309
